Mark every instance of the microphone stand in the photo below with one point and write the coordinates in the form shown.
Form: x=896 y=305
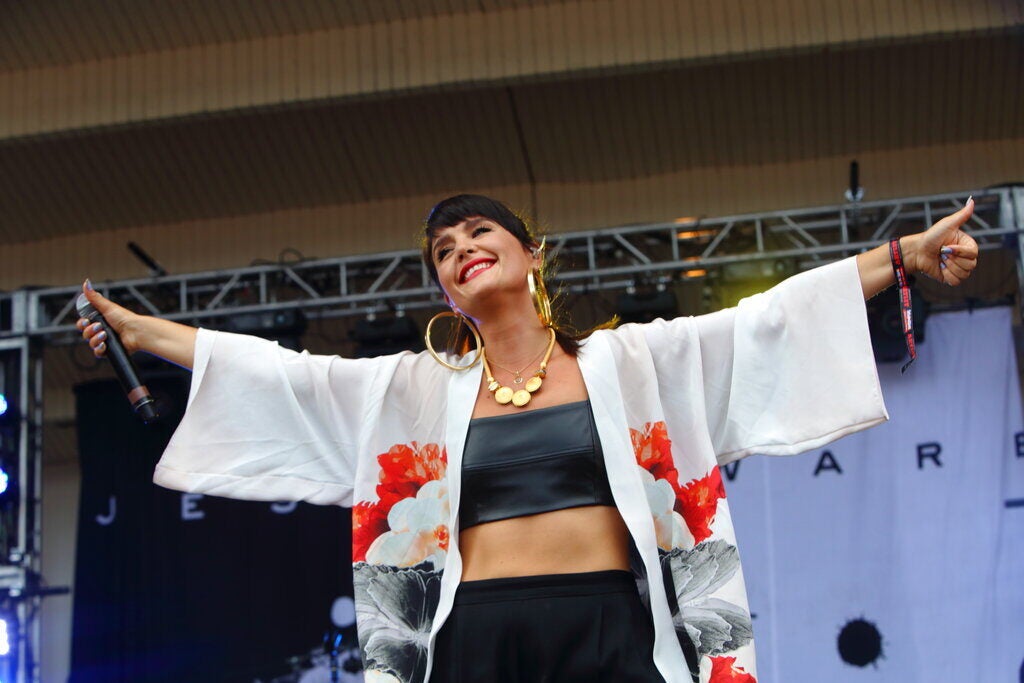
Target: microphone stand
x=332 y=646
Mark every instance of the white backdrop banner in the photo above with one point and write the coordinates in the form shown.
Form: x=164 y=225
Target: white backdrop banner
x=897 y=554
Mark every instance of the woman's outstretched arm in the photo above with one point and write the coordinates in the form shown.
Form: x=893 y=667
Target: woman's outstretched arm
x=944 y=252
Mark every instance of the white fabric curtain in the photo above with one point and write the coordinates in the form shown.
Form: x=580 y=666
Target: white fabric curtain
x=902 y=559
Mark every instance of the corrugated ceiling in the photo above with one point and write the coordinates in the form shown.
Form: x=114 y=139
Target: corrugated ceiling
x=38 y=34
x=597 y=128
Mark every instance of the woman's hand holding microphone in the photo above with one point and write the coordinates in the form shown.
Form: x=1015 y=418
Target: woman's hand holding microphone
x=116 y=332
x=169 y=340
x=125 y=323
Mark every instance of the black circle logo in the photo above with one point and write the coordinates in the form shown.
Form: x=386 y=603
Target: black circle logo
x=860 y=643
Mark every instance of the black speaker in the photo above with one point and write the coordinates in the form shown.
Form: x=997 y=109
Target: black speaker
x=886 y=325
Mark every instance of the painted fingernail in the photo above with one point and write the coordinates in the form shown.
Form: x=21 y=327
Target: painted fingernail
x=942 y=265
x=944 y=257
x=970 y=199
x=88 y=285
x=101 y=335
x=946 y=250
x=102 y=345
x=96 y=327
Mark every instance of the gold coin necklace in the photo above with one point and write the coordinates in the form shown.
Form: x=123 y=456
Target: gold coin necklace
x=518 y=374
x=519 y=398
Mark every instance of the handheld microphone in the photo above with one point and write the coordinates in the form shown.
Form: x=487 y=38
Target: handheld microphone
x=138 y=395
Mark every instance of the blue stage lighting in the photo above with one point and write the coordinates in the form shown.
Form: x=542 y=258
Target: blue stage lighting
x=4 y=481
x=5 y=640
x=3 y=404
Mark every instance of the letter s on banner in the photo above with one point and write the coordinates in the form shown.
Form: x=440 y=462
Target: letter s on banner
x=284 y=508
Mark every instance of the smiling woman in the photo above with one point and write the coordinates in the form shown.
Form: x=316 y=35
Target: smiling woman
x=472 y=222
x=579 y=532
x=538 y=525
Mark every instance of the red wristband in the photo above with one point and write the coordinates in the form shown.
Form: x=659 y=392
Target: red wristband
x=896 y=256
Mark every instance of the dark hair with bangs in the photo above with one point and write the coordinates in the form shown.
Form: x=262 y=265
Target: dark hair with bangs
x=454 y=210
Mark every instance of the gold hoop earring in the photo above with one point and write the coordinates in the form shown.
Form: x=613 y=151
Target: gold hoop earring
x=539 y=294
x=472 y=328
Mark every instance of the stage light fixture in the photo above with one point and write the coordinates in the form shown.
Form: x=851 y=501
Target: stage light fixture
x=644 y=304
x=737 y=281
x=386 y=334
x=703 y=235
x=5 y=638
x=855 y=192
x=286 y=327
x=3 y=405
x=4 y=481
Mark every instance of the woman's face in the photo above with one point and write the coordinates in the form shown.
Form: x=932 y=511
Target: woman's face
x=478 y=262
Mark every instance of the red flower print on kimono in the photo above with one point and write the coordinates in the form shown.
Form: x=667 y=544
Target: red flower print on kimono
x=369 y=520
x=405 y=468
x=683 y=514
x=697 y=502
x=408 y=524
x=653 y=451
x=724 y=670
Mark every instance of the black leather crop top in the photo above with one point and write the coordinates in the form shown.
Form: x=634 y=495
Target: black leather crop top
x=537 y=461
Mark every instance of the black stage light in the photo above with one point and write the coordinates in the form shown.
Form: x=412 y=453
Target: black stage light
x=855 y=192
x=643 y=306
x=286 y=327
x=383 y=335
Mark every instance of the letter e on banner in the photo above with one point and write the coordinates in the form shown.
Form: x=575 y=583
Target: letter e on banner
x=190 y=506
x=1018 y=439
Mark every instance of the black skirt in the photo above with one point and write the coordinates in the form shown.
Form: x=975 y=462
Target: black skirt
x=589 y=627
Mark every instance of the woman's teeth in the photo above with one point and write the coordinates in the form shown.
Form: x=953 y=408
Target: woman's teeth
x=478 y=267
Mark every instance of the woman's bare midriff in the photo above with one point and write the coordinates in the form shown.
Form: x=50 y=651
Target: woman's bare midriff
x=582 y=539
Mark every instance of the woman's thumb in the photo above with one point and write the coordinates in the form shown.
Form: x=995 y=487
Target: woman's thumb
x=95 y=298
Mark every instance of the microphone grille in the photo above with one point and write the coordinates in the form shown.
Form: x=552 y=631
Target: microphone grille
x=85 y=309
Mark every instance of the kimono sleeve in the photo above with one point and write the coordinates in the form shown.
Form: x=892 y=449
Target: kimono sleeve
x=267 y=423
x=790 y=369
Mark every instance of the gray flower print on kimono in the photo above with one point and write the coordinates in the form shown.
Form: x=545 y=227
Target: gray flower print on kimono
x=714 y=626
x=395 y=607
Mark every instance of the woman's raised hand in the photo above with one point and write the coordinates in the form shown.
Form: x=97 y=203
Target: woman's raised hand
x=945 y=252
x=120 y=319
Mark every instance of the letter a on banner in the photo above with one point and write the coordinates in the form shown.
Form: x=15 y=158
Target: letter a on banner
x=827 y=461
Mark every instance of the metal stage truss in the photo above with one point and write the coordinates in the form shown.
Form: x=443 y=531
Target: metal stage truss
x=616 y=258
x=610 y=258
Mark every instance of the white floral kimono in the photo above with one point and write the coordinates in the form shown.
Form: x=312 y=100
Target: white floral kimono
x=785 y=371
